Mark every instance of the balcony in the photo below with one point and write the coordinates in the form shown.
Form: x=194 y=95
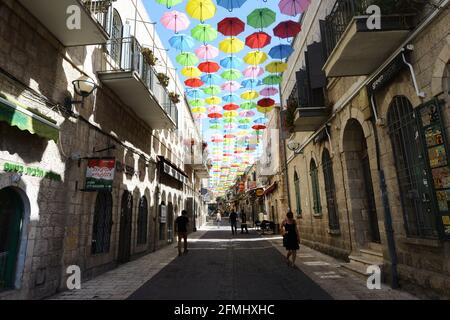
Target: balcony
x=136 y=83
x=53 y=15
x=354 y=49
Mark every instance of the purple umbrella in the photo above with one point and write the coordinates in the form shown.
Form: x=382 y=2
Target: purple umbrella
x=269 y=91
x=293 y=7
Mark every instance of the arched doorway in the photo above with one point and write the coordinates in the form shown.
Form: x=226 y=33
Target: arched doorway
x=362 y=198
x=170 y=222
x=11 y=222
x=126 y=214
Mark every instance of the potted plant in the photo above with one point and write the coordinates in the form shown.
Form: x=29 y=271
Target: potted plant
x=149 y=57
x=163 y=79
x=174 y=97
x=290 y=115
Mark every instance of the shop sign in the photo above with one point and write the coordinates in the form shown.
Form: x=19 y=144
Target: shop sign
x=31 y=171
x=259 y=192
x=100 y=174
x=163 y=214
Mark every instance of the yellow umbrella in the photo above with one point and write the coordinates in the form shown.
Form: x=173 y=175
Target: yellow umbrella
x=199 y=110
x=230 y=114
x=255 y=57
x=249 y=95
x=191 y=72
x=264 y=109
x=276 y=67
x=201 y=9
x=213 y=100
x=231 y=45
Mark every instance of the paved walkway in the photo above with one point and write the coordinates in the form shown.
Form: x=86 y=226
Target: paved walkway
x=221 y=267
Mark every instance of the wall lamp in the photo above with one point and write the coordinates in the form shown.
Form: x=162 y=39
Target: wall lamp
x=294 y=146
x=83 y=87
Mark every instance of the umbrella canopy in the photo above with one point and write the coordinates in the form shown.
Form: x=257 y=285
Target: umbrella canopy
x=249 y=95
x=230 y=107
x=261 y=18
x=215 y=109
x=247 y=114
x=231 y=45
x=215 y=115
x=215 y=126
x=187 y=59
x=268 y=92
x=287 y=29
x=175 y=21
x=266 y=102
x=190 y=72
x=260 y=121
x=209 y=67
x=255 y=57
x=259 y=127
x=211 y=79
x=272 y=80
x=169 y=3
x=293 y=7
x=201 y=9
x=248 y=105
x=231 y=27
x=276 y=67
x=258 y=40
x=253 y=72
x=281 y=51
x=207 y=52
x=199 y=116
x=264 y=109
x=230 y=118
x=244 y=126
x=230 y=98
x=212 y=90
x=181 y=42
x=251 y=83
x=199 y=110
x=197 y=103
x=216 y=139
x=231 y=86
x=213 y=100
x=193 y=82
x=194 y=93
x=231 y=74
x=231 y=4
x=204 y=33
x=231 y=62
x=245 y=120
x=230 y=114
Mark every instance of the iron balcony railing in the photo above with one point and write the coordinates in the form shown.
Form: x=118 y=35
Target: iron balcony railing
x=128 y=57
x=99 y=10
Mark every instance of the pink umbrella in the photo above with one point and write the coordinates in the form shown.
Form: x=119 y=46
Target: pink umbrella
x=253 y=72
x=246 y=114
x=215 y=109
x=200 y=116
x=216 y=139
x=207 y=52
x=293 y=7
x=269 y=91
x=229 y=126
x=231 y=86
x=175 y=21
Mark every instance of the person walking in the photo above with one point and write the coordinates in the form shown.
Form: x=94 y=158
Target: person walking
x=181 y=224
x=291 y=238
x=233 y=221
x=218 y=218
x=244 y=222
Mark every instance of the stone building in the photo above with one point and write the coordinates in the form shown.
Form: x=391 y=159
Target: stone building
x=368 y=120
x=91 y=179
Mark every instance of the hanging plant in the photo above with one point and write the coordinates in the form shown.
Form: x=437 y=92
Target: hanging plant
x=163 y=79
x=290 y=115
x=174 y=97
x=149 y=57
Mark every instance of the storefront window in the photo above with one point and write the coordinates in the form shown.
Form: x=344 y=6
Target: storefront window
x=101 y=232
x=330 y=190
x=142 y=221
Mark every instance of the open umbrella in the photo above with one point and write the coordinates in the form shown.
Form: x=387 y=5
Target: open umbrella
x=199 y=116
x=265 y=109
x=258 y=40
x=272 y=80
x=248 y=105
x=207 y=52
x=204 y=33
x=193 y=82
x=209 y=67
x=181 y=42
x=249 y=95
x=169 y=3
x=231 y=26
x=231 y=86
x=201 y=9
x=212 y=90
x=245 y=120
x=215 y=126
x=255 y=57
x=197 y=103
x=248 y=113
x=230 y=98
x=276 y=67
x=199 y=110
x=187 y=59
x=194 y=93
x=231 y=45
x=175 y=21
x=287 y=29
x=231 y=74
x=253 y=72
x=281 y=51
x=213 y=100
x=266 y=102
x=293 y=7
x=231 y=4
x=211 y=79
x=190 y=72
x=261 y=18
x=215 y=109
x=231 y=62
x=215 y=115
x=230 y=114
x=230 y=107
x=268 y=92
x=251 y=83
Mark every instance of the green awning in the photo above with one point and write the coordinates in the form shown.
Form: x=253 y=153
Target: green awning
x=26 y=120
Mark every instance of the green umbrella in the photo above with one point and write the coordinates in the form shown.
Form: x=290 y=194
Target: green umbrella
x=212 y=90
x=229 y=120
x=272 y=80
x=187 y=59
x=215 y=126
x=245 y=121
x=261 y=18
x=231 y=74
x=248 y=105
x=204 y=33
x=197 y=103
x=169 y=3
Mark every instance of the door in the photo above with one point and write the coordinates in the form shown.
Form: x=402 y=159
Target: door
x=11 y=218
x=126 y=214
x=170 y=223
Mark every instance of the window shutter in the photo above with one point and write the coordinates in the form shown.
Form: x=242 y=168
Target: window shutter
x=127 y=43
x=302 y=88
x=316 y=62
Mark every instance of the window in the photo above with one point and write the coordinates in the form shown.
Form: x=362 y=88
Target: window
x=314 y=173
x=101 y=232
x=142 y=221
x=116 y=36
x=298 y=200
x=330 y=190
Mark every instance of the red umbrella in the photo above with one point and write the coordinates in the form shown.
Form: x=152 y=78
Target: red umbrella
x=208 y=67
x=287 y=29
x=231 y=27
x=230 y=107
x=215 y=115
x=258 y=40
x=259 y=127
x=266 y=102
x=229 y=136
x=193 y=82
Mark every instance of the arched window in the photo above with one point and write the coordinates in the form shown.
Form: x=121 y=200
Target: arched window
x=116 y=36
x=411 y=170
x=314 y=173
x=101 y=232
x=142 y=221
x=330 y=190
x=298 y=199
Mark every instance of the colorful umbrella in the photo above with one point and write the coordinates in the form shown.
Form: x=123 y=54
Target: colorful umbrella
x=281 y=51
x=266 y=102
x=261 y=18
x=193 y=82
x=199 y=116
x=265 y=109
x=272 y=80
x=248 y=105
x=187 y=59
x=231 y=86
x=214 y=120
x=213 y=100
x=258 y=40
x=231 y=4
x=287 y=29
x=207 y=52
x=255 y=57
x=216 y=139
x=169 y=3
x=212 y=90
x=181 y=42
x=175 y=21
x=197 y=103
x=268 y=92
x=247 y=114
x=204 y=33
x=276 y=67
x=230 y=107
x=253 y=72
x=259 y=127
x=244 y=126
x=231 y=45
x=231 y=74
x=249 y=95
x=215 y=109
x=231 y=27
x=293 y=7
x=194 y=93
x=215 y=115
x=230 y=98
x=199 y=110
x=216 y=127
x=211 y=79
x=208 y=67
x=245 y=121
x=251 y=83
x=260 y=121
x=230 y=114
x=231 y=62
x=190 y=72
x=229 y=119
x=229 y=126
x=201 y=9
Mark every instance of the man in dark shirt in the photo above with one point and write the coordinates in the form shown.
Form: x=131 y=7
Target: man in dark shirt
x=244 y=222
x=233 y=221
x=181 y=224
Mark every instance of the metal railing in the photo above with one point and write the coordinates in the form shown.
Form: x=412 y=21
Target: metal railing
x=99 y=10
x=131 y=59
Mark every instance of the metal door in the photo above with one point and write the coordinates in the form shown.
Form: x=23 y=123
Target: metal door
x=126 y=214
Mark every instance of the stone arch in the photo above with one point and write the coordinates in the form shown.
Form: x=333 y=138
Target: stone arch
x=440 y=70
x=357 y=115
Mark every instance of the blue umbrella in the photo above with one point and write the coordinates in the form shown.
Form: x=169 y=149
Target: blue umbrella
x=211 y=79
x=213 y=121
x=260 y=121
x=281 y=51
x=231 y=98
x=231 y=62
x=194 y=93
x=244 y=127
x=231 y=4
x=182 y=42
x=251 y=83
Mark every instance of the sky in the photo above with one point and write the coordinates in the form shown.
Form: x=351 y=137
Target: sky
x=157 y=10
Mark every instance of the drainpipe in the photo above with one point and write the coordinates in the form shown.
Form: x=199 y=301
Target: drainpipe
x=283 y=145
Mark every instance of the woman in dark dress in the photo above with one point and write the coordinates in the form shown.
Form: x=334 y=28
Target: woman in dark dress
x=291 y=238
